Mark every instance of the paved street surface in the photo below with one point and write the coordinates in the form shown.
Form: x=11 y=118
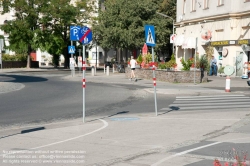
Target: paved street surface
x=199 y=124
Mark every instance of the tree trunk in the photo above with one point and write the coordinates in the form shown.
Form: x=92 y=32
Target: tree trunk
x=66 y=58
x=28 y=58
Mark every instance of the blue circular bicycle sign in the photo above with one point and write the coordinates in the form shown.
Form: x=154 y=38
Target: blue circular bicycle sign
x=85 y=35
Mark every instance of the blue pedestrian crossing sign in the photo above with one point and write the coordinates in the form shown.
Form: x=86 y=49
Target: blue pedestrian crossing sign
x=74 y=30
x=150 y=35
x=71 y=49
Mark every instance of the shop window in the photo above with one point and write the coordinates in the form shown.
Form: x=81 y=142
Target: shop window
x=219 y=50
x=206 y=4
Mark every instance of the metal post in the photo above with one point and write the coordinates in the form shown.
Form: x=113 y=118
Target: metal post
x=96 y=55
x=78 y=62
x=83 y=82
x=173 y=34
x=72 y=73
x=92 y=71
x=154 y=79
x=195 y=57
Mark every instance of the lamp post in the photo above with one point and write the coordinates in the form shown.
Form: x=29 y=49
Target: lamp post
x=164 y=15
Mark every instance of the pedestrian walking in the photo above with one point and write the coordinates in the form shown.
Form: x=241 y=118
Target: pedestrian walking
x=213 y=67
x=132 y=66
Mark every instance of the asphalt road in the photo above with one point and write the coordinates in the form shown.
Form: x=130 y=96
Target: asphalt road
x=47 y=97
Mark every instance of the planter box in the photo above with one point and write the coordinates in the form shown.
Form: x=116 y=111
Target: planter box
x=20 y=64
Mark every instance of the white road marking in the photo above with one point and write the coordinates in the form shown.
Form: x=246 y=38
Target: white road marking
x=211 y=98
x=191 y=150
x=188 y=97
x=63 y=141
x=194 y=119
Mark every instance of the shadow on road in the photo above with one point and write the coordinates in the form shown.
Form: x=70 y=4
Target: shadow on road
x=22 y=79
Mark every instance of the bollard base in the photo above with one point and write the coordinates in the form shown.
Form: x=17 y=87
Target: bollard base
x=227 y=88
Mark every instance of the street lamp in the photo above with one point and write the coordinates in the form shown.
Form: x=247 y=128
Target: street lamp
x=164 y=15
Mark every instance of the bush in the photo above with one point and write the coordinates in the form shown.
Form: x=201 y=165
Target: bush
x=171 y=62
x=17 y=57
x=187 y=64
x=139 y=59
x=162 y=65
x=221 y=70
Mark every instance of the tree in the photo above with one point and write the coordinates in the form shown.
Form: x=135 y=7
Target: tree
x=23 y=27
x=43 y=24
x=57 y=18
x=121 y=24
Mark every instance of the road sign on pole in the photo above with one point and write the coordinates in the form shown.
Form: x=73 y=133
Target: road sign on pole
x=150 y=35
x=71 y=49
x=85 y=35
x=150 y=41
x=74 y=30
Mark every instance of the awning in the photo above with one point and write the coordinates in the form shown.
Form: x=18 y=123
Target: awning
x=179 y=40
x=189 y=42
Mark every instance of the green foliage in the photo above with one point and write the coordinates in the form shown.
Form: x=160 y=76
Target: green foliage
x=149 y=58
x=204 y=62
x=221 y=69
x=17 y=57
x=162 y=65
x=187 y=64
x=121 y=24
x=171 y=62
x=139 y=59
x=43 y=24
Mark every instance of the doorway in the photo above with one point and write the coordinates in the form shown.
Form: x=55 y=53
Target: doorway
x=239 y=63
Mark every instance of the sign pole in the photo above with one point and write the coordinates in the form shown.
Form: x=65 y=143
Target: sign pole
x=195 y=58
x=85 y=37
x=154 y=79
x=83 y=82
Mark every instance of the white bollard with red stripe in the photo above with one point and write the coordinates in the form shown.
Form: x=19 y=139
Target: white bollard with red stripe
x=83 y=83
x=154 y=81
x=227 y=89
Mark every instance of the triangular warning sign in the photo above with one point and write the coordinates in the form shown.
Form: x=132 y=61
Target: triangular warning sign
x=71 y=50
x=150 y=38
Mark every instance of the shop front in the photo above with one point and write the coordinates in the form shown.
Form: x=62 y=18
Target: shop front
x=232 y=52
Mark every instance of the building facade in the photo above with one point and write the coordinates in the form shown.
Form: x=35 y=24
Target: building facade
x=222 y=24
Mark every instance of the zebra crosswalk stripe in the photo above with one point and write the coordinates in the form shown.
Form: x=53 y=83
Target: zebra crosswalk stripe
x=210 y=102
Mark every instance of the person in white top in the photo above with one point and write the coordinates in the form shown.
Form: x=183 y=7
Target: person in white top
x=132 y=66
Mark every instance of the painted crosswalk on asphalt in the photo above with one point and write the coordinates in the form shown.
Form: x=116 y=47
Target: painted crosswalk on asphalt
x=210 y=102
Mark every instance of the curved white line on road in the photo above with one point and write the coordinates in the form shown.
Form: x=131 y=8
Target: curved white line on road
x=59 y=142
x=191 y=150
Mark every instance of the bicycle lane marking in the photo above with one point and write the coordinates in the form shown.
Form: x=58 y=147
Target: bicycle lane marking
x=63 y=141
x=191 y=150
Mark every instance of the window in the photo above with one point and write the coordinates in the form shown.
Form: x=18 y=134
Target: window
x=184 y=7
x=206 y=2
x=193 y=5
x=220 y=2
